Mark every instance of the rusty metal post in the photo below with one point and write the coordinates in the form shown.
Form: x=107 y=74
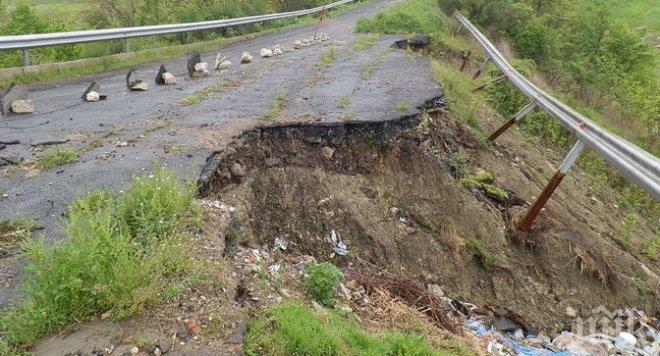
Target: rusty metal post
x=466 y=60
x=499 y=79
x=481 y=68
x=540 y=202
x=514 y=119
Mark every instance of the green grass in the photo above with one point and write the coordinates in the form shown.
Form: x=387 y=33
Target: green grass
x=215 y=88
x=330 y=56
x=487 y=258
x=403 y=106
x=119 y=254
x=638 y=12
x=366 y=41
x=483 y=181
x=422 y=16
x=281 y=102
x=57 y=157
x=293 y=329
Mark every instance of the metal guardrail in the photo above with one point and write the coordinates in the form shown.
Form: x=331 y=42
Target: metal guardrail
x=26 y=42
x=635 y=163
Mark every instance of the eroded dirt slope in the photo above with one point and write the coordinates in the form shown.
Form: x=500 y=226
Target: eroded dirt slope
x=391 y=191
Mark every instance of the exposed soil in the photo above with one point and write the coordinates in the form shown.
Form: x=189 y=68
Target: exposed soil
x=390 y=191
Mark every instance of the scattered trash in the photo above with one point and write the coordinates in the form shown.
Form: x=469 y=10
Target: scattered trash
x=338 y=245
x=280 y=244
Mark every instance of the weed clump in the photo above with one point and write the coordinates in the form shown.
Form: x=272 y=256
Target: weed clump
x=118 y=255
x=323 y=281
x=56 y=158
x=483 y=181
x=486 y=257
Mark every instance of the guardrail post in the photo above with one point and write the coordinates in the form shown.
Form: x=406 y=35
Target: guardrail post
x=26 y=57
x=514 y=119
x=481 y=68
x=127 y=46
x=540 y=202
x=466 y=59
x=499 y=79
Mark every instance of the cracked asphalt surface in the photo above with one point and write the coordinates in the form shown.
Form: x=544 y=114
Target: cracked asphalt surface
x=133 y=132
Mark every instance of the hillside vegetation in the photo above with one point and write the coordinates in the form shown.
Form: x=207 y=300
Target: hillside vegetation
x=596 y=62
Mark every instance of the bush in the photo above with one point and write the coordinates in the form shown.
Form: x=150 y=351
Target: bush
x=99 y=267
x=323 y=281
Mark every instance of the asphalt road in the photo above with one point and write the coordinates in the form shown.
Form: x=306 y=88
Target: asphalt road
x=132 y=132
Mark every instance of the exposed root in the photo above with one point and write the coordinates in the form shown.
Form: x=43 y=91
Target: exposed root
x=414 y=294
x=591 y=262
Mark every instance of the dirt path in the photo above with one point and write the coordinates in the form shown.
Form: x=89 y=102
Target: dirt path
x=132 y=132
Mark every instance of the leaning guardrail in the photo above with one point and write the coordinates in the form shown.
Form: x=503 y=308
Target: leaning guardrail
x=26 y=42
x=638 y=165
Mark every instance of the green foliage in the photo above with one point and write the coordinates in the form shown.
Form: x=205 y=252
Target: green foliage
x=421 y=16
x=485 y=256
x=343 y=102
x=323 y=281
x=24 y=20
x=117 y=256
x=330 y=56
x=366 y=41
x=403 y=105
x=56 y=158
x=293 y=329
x=281 y=102
x=483 y=181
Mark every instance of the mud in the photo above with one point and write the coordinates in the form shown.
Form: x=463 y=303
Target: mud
x=390 y=190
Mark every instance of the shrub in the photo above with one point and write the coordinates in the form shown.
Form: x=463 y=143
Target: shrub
x=323 y=281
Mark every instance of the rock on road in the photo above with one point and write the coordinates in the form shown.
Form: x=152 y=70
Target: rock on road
x=132 y=132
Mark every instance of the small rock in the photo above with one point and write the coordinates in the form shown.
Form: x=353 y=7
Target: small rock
x=297 y=44
x=277 y=51
x=222 y=63
x=182 y=333
x=571 y=312
x=22 y=107
x=140 y=86
x=265 y=53
x=246 y=57
x=135 y=350
x=327 y=152
x=201 y=70
x=92 y=96
x=168 y=78
x=237 y=170
x=157 y=351
x=625 y=342
x=272 y=161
